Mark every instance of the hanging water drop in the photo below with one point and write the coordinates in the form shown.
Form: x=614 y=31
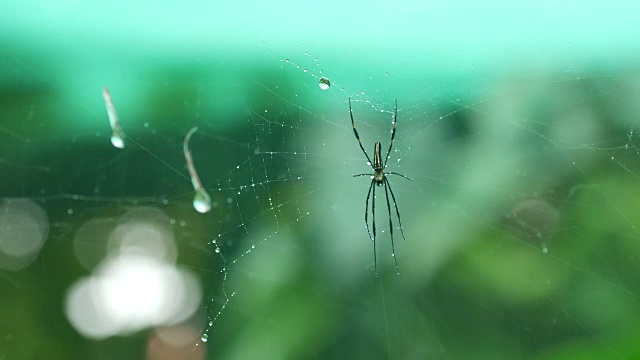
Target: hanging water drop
x=202 y=201
x=324 y=83
x=204 y=338
x=117 y=136
x=117 y=139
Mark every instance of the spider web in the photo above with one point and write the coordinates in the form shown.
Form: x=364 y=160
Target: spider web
x=520 y=219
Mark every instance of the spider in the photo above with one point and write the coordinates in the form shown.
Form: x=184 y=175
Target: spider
x=379 y=178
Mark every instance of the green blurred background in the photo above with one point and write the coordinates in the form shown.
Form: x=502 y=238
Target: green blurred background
x=516 y=122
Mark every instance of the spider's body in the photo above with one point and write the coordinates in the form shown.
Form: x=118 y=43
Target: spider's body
x=379 y=178
x=378 y=170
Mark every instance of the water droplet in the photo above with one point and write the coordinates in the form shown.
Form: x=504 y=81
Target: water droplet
x=217 y=250
x=202 y=201
x=204 y=338
x=117 y=139
x=544 y=249
x=324 y=83
x=287 y=60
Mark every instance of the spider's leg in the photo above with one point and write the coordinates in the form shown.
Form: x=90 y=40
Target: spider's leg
x=373 y=213
x=393 y=133
x=396 y=206
x=355 y=132
x=393 y=247
x=395 y=173
x=356 y=175
x=366 y=211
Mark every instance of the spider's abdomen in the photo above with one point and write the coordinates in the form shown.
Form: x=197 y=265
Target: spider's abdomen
x=378 y=177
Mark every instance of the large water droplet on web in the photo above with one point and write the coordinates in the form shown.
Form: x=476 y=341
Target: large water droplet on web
x=204 y=338
x=202 y=201
x=117 y=139
x=324 y=83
